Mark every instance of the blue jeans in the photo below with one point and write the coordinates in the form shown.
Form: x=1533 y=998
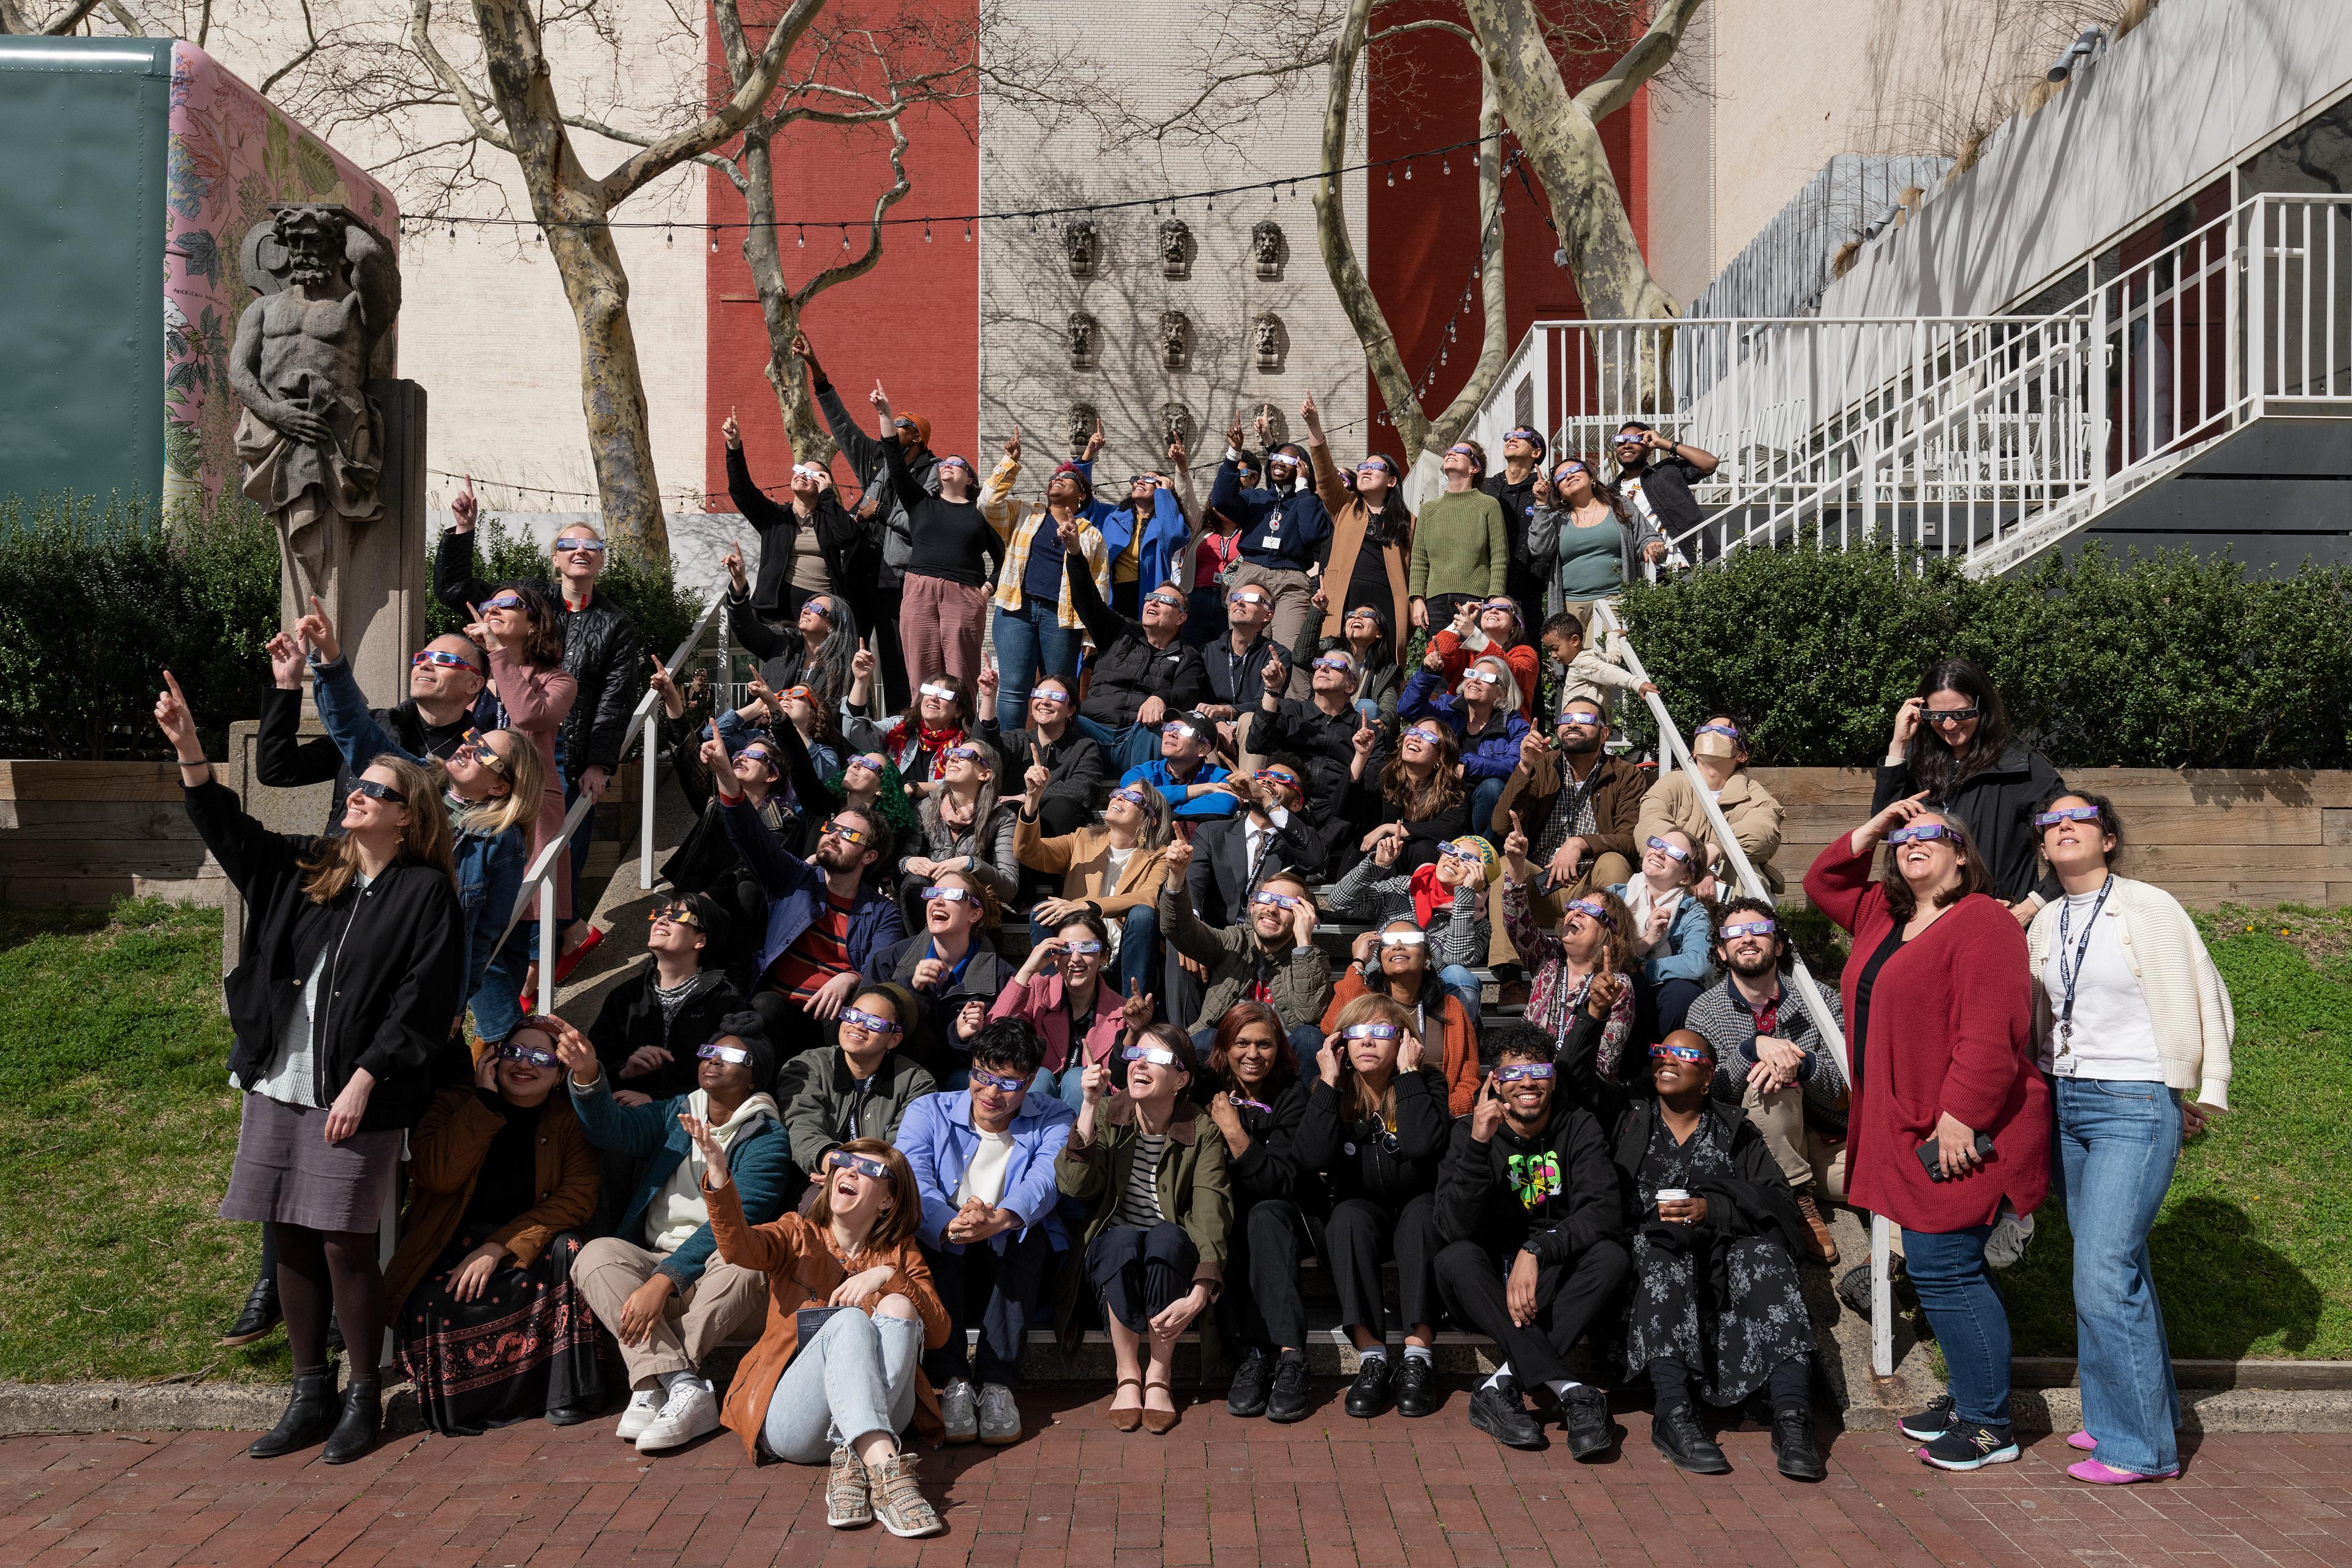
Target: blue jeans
x=1031 y=642
x=1483 y=796
x=497 y=1002
x=2117 y=1146
x=1129 y=746
x=582 y=836
x=1947 y=1270
x=1461 y=983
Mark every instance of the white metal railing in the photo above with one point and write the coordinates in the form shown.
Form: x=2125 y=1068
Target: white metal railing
x=1985 y=438
x=539 y=876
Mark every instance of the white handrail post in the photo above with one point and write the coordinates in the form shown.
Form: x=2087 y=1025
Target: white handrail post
x=2094 y=379
x=2257 y=310
x=645 y=811
x=547 y=940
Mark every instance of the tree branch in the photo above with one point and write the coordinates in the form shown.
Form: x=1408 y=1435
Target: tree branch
x=309 y=28
x=1495 y=341
x=124 y=19
x=729 y=121
x=420 y=31
x=1614 y=88
x=883 y=202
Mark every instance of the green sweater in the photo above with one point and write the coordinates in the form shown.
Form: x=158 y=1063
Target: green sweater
x=1459 y=547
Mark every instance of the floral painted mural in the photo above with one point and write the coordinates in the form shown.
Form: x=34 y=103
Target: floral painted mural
x=231 y=154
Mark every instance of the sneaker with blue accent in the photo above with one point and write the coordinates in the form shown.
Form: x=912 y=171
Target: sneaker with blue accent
x=1970 y=1446
x=1931 y=1423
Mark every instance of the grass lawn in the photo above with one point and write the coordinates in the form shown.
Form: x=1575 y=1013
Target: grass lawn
x=117 y=1127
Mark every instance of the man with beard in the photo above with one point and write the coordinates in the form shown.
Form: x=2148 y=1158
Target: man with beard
x=1773 y=1063
x=1578 y=805
x=825 y=919
x=1534 y=1274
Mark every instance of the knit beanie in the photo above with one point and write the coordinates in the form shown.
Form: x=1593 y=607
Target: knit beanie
x=1492 y=863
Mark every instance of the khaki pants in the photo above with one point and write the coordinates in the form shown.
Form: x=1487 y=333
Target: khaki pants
x=727 y=1303
x=1606 y=870
x=1294 y=608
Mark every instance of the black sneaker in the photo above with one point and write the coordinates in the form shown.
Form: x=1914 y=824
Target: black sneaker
x=1584 y=1414
x=1502 y=1414
x=1417 y=1393
x=1369 y=1395
x=1853 y=1291
x=1970 y=1446
x=1793 y=1446
x=1289 y=1401
x=1247 y=1393
x=1677 y=1433
x=1931 y=1423
x=260 y=1314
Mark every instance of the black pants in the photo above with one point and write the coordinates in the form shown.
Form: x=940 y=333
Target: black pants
x=1569 y=1300
x=1792 y=1383
x=1137 y=1274
x=1261 y=1304
x=881 y=612
x=1443 y=607
x=1530 y=586
x=1360 y=1236
x=1001 y=1293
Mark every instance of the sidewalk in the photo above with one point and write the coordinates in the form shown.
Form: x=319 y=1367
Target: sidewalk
x=1326 y=1493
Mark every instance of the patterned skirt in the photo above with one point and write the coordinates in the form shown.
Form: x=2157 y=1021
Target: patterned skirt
x=526 y=1346
x=1730 y=1345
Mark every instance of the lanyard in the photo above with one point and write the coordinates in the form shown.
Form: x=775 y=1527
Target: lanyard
x=2069 y=976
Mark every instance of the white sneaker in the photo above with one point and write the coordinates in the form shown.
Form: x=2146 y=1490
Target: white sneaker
x=960 y=1412
x=692 y=1410
x=644 y=1406
x=2005 y=1248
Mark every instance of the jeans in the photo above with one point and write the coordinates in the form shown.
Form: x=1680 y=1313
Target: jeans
x=2117 y=1146
x=498 y=1005
x=1484 y=795
x=581 y=837
x=1947 y=1270
x=1127 y=747
x=855 y=1376
x=1464 y=983
x=1031 y=642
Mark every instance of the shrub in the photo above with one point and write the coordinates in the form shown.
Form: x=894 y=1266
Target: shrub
x=2165 y=662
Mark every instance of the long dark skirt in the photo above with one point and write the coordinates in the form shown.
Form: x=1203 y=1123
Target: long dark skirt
x=527 y=1345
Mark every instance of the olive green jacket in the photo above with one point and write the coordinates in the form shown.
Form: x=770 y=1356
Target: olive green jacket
x=1193 y=1191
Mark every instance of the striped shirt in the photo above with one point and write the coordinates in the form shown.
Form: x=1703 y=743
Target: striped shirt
x=1139 y=1204
x=1019 y=531
x=816 y=955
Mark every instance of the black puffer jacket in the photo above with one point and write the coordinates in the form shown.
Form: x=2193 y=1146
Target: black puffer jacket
x=392 y=983
x=600 y=652
x=1126 y=669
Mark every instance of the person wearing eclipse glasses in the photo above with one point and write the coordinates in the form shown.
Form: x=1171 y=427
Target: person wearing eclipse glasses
x=1484 y=712
x=1533 y=1254
x=1481 y=629
x=810 y=545
x=656 y=1282
x=1371 y=537
x=985 y=1159
x=1653 y=480
x=1037 y=629
x=952 y=966
x=1591 y=540
x=1671 y=932
x=647 y=1026
x=1516 y=486
x=1285 y=534
x=500 y=1181
x=1589 y=956
x=1445 y=900
x=861 y=1086
x=343 y=995
x=1719 y=766
x=1269 y=956
x=1461 y=547
x=1192 y=786
x=1051 y=741
x=1141 y=670
x=961 y=824
x=1149 y=1164
x=1395 y=961
x=1316 y=739
x=956 y=554
x=1271 y=831
x=1111 y=871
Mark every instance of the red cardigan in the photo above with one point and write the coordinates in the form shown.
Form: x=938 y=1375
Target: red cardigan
x=1951 y=1020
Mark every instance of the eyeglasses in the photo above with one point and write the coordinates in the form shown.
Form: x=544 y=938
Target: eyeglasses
x=818 y=606
x=530 y=1054
x=961 y=753
x=1749 y=928
x=1579 y=718
x=579 y=546
x=1049 y=696
x=1246 y=597
x=677 y=914
x=871 y=1169
x=505 y=602
x=1629 y=437
x=1524 y=1072
x=1001 y=1085
x=872 y=1023
x=1483 y=677
x=850 y=834
x=1453 y=852
x=797 y=694
x=1158 y=1056
x=1332 y=662
x=1591 y=909
x=1374 y=466
x=476 y=748
x=1274 y=900
x=955 y=462
x=1731 y=730
x=872 y=762
x=375 y=791
x=757 y=753
x=1403 y=938
x=446 y=660
x=734 y=1055
x=1461 y=451
x=808 y=471
x=1134 y=480
x=902 y=423
x=1522 y=434
x=1243 y=1102
x=1181 y=729
x=1679 y=856
x=1142 y=799
x=1919 y=831
x=1081 y=949
x=1372 y=1032
x=944 y=694
x=1424 y=734
x=1277 y=775
x=1166 y=601
x=948 y=895
x=1950 y=715
x=1279 y=462
x=1678 y=1053
x=2066 y=813
x=1510 y=604
x=1565 y=469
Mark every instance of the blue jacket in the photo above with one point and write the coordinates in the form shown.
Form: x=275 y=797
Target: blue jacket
x=1155 y=773
x=1491 y=755
x=489 y=870
x=1683 y=955
x=1282 y=531
x=1163 y=537
x=795 y=891
x=760 y=1161
x=938 y=1138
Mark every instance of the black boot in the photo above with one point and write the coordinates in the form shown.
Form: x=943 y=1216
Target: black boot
x=1677 y=1433
x=260 y=1314
x=309 y=1415
x=1793 y=1446
x=362 y=1421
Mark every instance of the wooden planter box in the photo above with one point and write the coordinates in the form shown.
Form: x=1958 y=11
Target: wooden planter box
x=87 y=833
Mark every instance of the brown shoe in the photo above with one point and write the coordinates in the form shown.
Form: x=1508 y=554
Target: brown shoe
x=1158 y=1421
x=1126 y=1418
x=1819 y=1244
x=899 y=1506
x=848 y=1501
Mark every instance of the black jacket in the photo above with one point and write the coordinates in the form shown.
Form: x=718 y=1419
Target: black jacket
x=1481 y=1199
x=1350 y=1155
x=890 y=527
x=932 y=1044
x=1515 y=501
x=1126 y=669
x=1237 y=680
x=391 y=989
x=600 y=653
x=1994 y=803
x=1269 y=1167
x=1075 y=762
x=851 y=557
x=282 y=758
x=1666 y=486
x=632 y=1018
x=1754 y=1200
x=1220 y=880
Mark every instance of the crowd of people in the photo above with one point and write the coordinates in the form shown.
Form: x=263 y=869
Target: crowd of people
x=1559 y=1082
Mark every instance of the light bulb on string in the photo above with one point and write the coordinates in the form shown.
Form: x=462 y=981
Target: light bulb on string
x=1391 y=177
x=845 y=238
x=1445 y=166
x=967 y=231
x=926 y=231
x=802 y=235
x=1407 y=168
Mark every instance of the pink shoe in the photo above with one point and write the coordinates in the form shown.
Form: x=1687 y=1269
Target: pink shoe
x=2100 y=1475
x=2081 y=1440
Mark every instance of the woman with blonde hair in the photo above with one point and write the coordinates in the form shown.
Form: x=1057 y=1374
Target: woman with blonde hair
x=352 y=969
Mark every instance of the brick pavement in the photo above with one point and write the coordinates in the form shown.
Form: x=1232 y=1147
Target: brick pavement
x=1326 y=1493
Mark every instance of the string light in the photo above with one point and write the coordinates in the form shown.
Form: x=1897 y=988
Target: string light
x=926 y=231
x=844 y=240
x=802 y=237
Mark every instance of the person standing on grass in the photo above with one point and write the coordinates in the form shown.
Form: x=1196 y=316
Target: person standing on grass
x=1461 y=549
x=1950 y=1119
x=352 y=972
x=2134 y=1025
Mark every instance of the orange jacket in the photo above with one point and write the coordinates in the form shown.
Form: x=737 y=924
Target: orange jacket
x=1461 y=1064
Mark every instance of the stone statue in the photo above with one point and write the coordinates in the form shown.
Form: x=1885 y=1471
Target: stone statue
x=1083 y=420
x=1175 y=425
x=1267 y=248
x=1083 y=245
x=1175 y=247
x=310 y=443
x=1175 y=339
x=1083 y=344
x=1267 y=331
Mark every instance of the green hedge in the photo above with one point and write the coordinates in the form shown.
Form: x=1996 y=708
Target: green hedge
x=97 y=598
x=2163 y=661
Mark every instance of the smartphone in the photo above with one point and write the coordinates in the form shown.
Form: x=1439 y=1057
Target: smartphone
x=1934 y=1168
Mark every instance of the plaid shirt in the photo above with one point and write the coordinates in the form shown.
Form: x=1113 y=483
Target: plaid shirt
x=996 y=504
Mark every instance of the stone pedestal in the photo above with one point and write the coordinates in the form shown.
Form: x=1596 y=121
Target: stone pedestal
x=378 y=605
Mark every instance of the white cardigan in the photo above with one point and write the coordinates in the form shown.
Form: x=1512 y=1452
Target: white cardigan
x=2187 y=1000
